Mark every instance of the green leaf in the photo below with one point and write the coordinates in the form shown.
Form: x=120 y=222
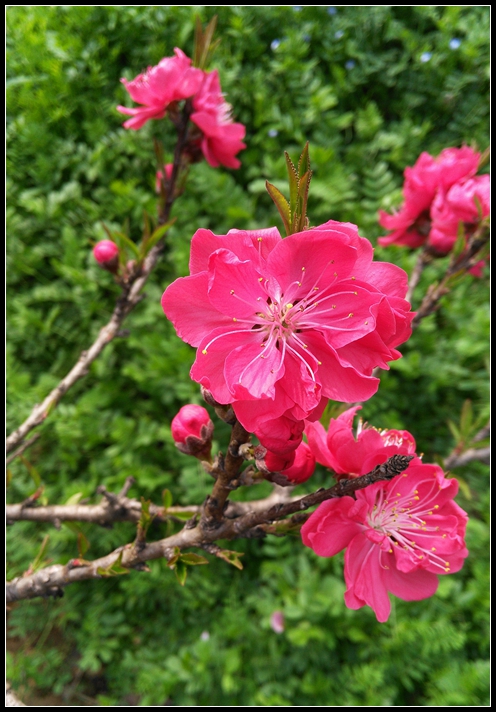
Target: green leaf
x=181 y=572
x=75 y=498
x=33 y=472
x=304 y=162
x=41 y=553
x=156 y=235
x=193 y=559
x=115 y=569
x=166 y=499
x=232 y=557
x=83 y=545
x=293 y=184
x=281 y=204
x=125 y=241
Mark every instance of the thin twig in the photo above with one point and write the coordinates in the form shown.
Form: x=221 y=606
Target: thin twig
x=50 y=581
x=483 y=454
x=130 y=296
x=422 y=260
x=458 y=263
x=23 y=447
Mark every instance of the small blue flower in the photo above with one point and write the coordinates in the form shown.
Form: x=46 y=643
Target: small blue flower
x=350 y=64
x=338 y=34
x=455 y=43
x=426 y=57
x=331 y=10
x=275 y=44
x=272 y=133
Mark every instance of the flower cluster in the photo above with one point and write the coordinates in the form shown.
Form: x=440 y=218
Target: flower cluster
x=398 y=535
x=281 y=326
x=174 y=79
x=440 y=193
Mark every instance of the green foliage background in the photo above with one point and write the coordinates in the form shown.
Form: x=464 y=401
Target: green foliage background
x=353 y=83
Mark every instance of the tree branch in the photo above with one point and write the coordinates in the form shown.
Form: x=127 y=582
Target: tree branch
x=128 y=299
x=50 y=581
x=458 y=263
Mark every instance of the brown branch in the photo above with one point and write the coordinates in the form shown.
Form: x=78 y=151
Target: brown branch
x=50 y=581
x=23 y=447
x=455 y=460
x=422 y=260
x=129 y=298
x=225 y=470
x=458 y=264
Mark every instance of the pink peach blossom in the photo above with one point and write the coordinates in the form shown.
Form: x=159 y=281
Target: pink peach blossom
x=283 y=325
x=399 y=535
x=172 y=79
x=457 y=205
x=221 y=139
x=411 y=224
x=192 y=431
x=348 y=456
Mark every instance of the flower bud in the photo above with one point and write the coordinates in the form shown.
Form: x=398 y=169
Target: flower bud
x=290 y=469
x=192 y=431
x=277 y=622
x=106 y=253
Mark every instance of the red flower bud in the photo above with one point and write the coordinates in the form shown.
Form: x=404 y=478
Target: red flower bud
x=290 y=469
x=106 y=253
x=192 y=431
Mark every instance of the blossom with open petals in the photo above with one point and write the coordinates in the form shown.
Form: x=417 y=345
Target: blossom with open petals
x=411 y=224
x=221 y=137
x=399 y=536
x=172 y=79
x=348 y=456
x=283 y=325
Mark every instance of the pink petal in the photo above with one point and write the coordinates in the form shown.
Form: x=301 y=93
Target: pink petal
x=317 y=440
x=413 y=586
x=364 y=578
x=329 y=530
x=187 y=296
x=235 y=286
x=257 y=369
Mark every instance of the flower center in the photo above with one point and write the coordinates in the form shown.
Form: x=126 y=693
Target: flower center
x=410 y=524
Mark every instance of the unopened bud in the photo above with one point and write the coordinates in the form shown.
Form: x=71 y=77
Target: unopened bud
x=291 y=469
x=192 y=431
x=106 y=253
x=277 y=622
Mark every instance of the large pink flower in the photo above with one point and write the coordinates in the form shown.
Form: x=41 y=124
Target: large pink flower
x=283 y=325
x=348 y=456
x=221 y=139
x=172 y=79
x=399 y=535
x=411 y=224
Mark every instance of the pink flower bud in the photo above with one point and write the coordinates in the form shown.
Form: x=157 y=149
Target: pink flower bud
x=192 y=431
x=106 y=253
x=290 y=469
x=303 y=466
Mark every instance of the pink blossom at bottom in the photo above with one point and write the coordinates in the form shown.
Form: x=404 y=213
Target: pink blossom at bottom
x=399 y=536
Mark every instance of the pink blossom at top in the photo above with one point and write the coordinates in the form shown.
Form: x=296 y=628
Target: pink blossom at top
x=283 y=325
x=172 y=79
x=348 y=456
x=221 y=139
x=399 y=536
x=411 y=224
x=458 y=205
